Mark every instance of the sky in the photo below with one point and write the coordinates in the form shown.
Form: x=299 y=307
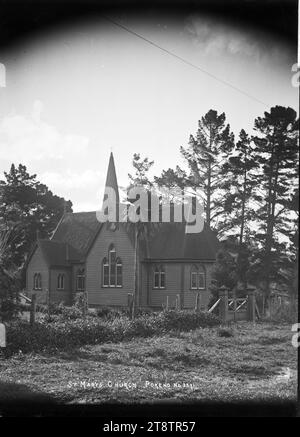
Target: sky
x=77 y=93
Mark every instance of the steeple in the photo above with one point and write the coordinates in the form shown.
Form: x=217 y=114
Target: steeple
x=111 y=178
x=111 y=182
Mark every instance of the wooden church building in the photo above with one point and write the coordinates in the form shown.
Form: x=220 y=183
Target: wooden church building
x=84 y=255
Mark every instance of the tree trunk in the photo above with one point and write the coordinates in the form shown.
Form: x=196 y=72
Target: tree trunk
x=269 y=233
x=135 y=294
x=208 y=194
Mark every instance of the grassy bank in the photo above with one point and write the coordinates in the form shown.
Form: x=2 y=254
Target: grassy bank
x=245 y=362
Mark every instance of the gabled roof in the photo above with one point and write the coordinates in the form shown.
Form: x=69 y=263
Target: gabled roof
x=78 y=230
x=71 y=239
x=54 y=252
x=171 y=242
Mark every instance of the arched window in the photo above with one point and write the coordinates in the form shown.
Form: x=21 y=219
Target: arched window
x=61 y=281
x=119 y=272
x=105 y=272
x=159 y=279
x=197 y=278
x=112 y=269
x=80 y=280
x=37 y=281
x=112 y=266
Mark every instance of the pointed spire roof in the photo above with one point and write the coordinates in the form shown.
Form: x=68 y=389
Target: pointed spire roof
x=111 y=178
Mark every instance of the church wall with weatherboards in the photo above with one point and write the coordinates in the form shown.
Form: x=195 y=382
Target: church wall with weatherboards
x=84 y=255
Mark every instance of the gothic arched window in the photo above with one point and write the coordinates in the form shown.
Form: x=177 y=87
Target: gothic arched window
x=37 y=281
x=80 y=280
x=61 y=281
x=105 y=272
x=112 y=269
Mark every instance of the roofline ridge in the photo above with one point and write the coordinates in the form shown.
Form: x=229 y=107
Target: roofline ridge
x=58 y=224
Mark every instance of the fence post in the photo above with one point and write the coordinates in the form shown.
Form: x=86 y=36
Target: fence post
x=32 y=309
x=178 y=302
x=197 y=302
x=234 y=305
x=223 y=308
x=130 y=304
x=84 y=304
x=251 y=304
x=48 y=301
x=2 y=335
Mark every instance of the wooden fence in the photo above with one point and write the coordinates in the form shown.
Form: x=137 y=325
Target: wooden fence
x=235 y=308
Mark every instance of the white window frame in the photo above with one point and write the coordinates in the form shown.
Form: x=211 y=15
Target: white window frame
x=197 y=271
x=105 y=263
x=82 y=277
x=37 y=281
x=61 y=281
x=159 y=271
x=117 y=264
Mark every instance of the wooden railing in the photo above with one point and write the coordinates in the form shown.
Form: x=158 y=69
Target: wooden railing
x=238 y=304
x=214 y=305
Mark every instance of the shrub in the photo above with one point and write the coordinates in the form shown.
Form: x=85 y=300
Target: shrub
x=8 y=309
x=65 y=312
x=67 y=332
x=286 y=313
x=111 y=313
x=54 y=308
x=187 y=320
x=225 y=332
x=71 y=313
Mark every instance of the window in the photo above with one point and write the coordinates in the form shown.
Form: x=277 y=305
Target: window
x=112 y=269
x=61 y=281
x=105 y=272
x=37 y=281
x=159 y=280
x=197 y=278
x=201 y=280
x=80 y=280
x=112 y=266
x=119 y=272
x=194 y=279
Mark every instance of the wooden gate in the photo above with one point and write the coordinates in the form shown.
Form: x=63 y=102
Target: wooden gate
x=233 y=308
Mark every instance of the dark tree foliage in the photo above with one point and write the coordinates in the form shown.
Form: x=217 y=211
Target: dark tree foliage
x=141 y=169
x=277 y=154
x=26 y=208
x=205 y=155
x=238 y=180
x=250 y=194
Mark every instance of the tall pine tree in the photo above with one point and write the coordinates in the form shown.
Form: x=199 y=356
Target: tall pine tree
x=205 y=154
x=277 y=153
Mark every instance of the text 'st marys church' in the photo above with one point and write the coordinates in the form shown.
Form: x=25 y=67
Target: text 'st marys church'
x=99 y=258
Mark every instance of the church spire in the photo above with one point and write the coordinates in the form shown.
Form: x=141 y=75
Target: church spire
x=111 y=182
x=111 y=178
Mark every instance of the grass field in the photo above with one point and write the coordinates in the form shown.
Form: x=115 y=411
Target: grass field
x=245 y=362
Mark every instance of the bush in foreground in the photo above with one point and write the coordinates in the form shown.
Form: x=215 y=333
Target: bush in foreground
x=67 y=334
